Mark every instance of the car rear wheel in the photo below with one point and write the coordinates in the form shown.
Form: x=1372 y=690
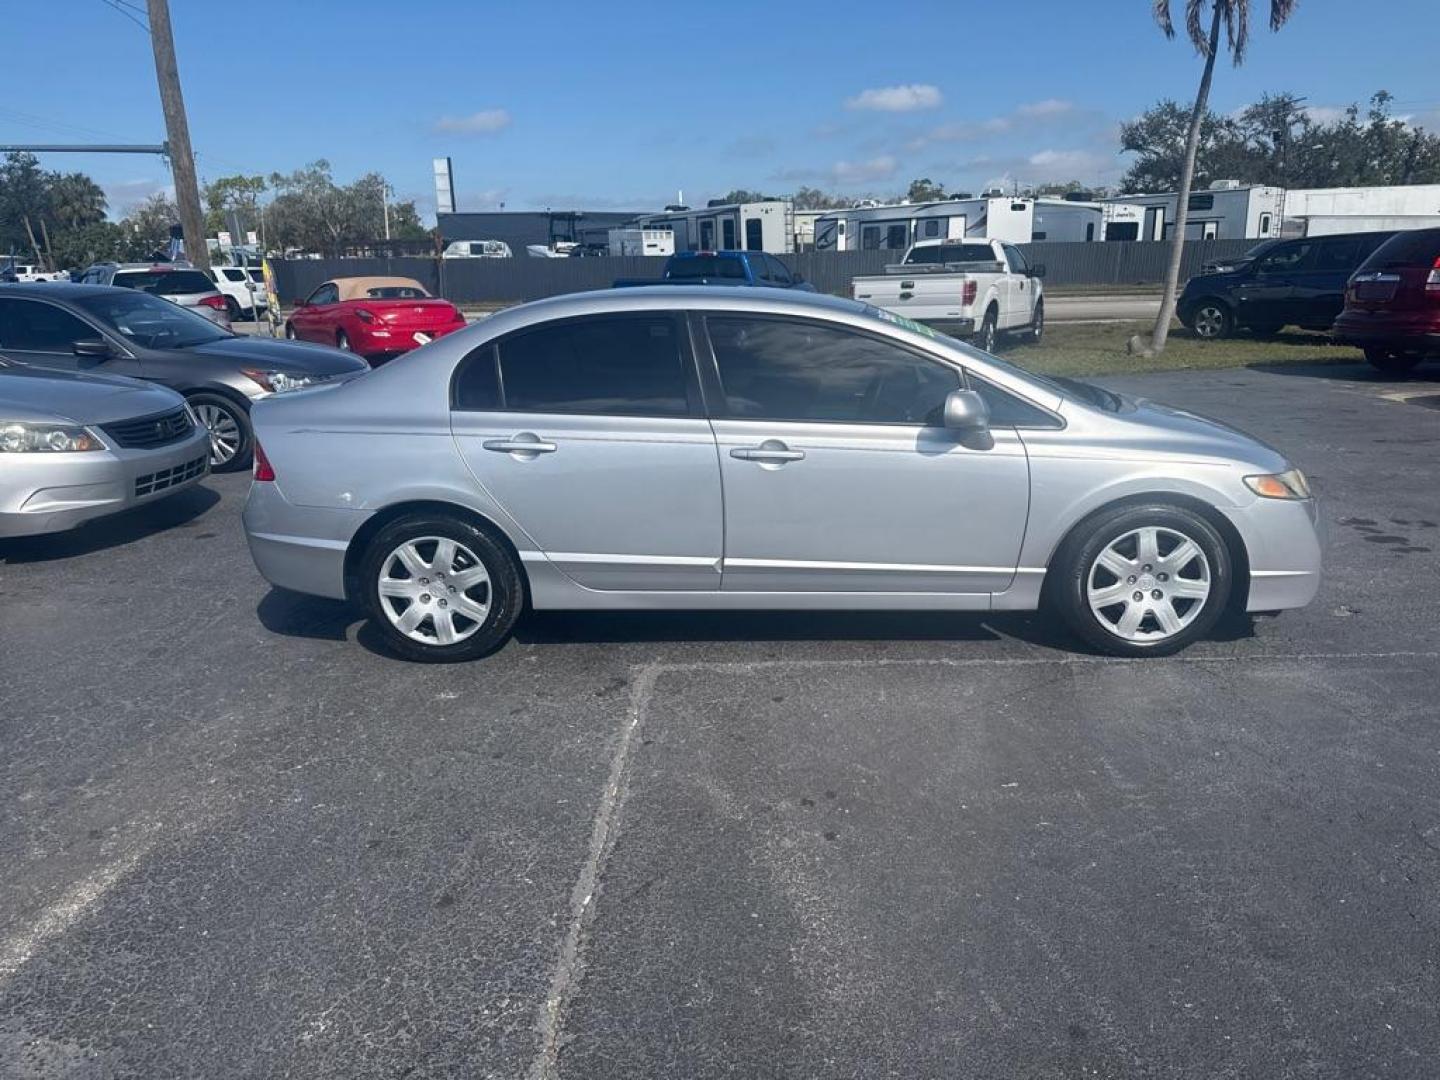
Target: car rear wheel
x=342 y=341
x=231 y=438
x=1037 y=327
x=1212 y=320
x=1143 y=580
x=440 y=589
x=289 y=332
x=1390 y=361
x=232 y=308
x=986 y=338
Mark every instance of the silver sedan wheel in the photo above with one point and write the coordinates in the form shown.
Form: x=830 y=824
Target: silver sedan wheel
x=225 y=437
x=1209 y=321
x=1148 y=584
x=434 y=590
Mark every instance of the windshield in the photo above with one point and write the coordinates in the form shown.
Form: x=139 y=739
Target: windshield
x=705 y=266
x=150 y=322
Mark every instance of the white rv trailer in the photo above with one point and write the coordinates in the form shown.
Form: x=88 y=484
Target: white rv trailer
x=1226 y=210
x=1017 y=219
x=641 y=242
x=1320 y=211
x=758 y=226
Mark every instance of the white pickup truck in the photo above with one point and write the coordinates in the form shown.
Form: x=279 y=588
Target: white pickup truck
x=966 y=288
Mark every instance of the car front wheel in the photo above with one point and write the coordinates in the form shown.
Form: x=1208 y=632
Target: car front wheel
x=1211 y=320
x=231 y=438
x=440 y=589
x=1144 y=580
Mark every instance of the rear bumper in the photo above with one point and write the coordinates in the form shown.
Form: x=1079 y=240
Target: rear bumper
x=46 y=493
x=955 y=327
x=1284 y=541
x=383 y=341
x=301 y=548
x=1385 y=330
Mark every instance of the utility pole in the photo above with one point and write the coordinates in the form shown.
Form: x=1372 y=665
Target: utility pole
x=177 y=130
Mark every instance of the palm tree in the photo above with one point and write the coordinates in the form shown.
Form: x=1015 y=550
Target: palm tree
x=75 y=199
x=1235 y=15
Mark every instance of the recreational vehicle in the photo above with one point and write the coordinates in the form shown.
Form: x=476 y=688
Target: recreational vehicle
x=641 y=242
x=758 y=226
x=1016 y=219
x=1227 y=210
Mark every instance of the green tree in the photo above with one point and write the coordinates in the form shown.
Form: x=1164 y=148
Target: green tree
x=1235 y=16
x=239 y=193
x=313 y=213
x=924 y=190
x=24 y=198
x=145 y=229
x=743 y=195
x=97 y=241
x=809 y=198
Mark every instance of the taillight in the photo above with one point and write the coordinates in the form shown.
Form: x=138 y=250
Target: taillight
x=262 y=470
x=969 y=291
x=217 y=302
x=1432 y=283
x=364 y=315
x=459 y=316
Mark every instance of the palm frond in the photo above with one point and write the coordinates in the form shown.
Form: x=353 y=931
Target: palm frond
x=1161 y=10
x=1237 y=28
x=1280 y=10
x=1195 y=25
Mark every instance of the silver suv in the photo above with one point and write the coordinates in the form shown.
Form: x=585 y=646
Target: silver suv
x=180 y=283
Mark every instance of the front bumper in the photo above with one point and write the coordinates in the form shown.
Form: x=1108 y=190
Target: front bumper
x=46 y=493
x=1284 y=541
x=301 y=548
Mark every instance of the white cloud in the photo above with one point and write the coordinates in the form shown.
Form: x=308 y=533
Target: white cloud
x=864 y=172
x=1324 y=114
x=906 y=98
x=1048 y=107
x=484 y=122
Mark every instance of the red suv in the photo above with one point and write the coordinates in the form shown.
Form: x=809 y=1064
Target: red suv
x=1392 y=303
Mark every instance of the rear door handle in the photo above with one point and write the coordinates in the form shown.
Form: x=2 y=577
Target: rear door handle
x=771 y=451
x=524 y=443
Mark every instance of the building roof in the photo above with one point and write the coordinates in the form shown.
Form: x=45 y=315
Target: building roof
x=520 y=228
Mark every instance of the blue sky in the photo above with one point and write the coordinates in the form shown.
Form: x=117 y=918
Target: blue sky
x=622 y=105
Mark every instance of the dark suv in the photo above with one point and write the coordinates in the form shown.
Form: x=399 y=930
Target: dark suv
x=1392 y=304
x=1278 y=283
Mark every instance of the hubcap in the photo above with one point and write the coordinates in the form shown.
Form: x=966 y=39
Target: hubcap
x=224 y=432
x=1209 y=321
x=434 y=590
x=1148 y=584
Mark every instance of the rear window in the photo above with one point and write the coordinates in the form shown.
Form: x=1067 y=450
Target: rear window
x=705 y=266
x=165 y=282
x=396 y=292
x=1418 y=248
x=951 y=253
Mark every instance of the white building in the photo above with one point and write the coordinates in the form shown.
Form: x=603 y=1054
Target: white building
x=1318 y=211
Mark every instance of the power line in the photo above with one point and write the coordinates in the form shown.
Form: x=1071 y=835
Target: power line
x=124 y=9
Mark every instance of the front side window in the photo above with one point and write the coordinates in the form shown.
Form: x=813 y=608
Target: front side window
x=1018 y=262
x=625 y=365
x=779 y=273
x=325 y=294
x=788 y=369
x=35 y=326
x=1283 y=258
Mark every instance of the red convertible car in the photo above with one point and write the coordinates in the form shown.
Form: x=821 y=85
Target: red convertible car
x=376 y=317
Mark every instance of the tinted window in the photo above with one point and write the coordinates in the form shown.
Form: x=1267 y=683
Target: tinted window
x=727 y=231
x=1007 y=410
x=754 y=234
x=234 y=275
x=397 y=292
x=164 y=282
x=325 y=294
x=951 y=253
x=778 y=271
x=897 y=236
x=1342 y=253
x=31 y=324
x=1282 y=258
x=627 y=365
x=1017 y=259
x=1204 y=201
x=150 y=321
x=773 y=369
x=477 y=385
x=705 y=266
x=1418 y=248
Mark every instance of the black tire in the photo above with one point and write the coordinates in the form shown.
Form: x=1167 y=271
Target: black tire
x=289 y=332
x=232 y=309
x=1037 y=325
x=206 y=405
x=1211 y=320
x=342 y=341
x=1391 y=362
x=504 y=593
x=1073 y=565
x=985 y=339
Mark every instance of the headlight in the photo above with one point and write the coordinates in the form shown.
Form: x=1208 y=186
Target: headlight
x=1290 y=484
x=278 y=382
x=17 y=438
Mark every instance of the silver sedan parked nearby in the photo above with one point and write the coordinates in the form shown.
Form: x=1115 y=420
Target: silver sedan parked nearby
x=75 y=447
x=689 y=448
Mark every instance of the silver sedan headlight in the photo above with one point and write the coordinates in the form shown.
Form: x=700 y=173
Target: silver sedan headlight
x=1290 y=484
x=29 y=438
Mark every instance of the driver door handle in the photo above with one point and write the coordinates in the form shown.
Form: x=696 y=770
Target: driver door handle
x=517 y=445
x=767 y=453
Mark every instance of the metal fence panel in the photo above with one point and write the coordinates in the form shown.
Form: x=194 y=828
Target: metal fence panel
x=505 y=281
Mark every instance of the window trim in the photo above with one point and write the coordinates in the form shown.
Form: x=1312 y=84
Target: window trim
x=125 y=352
x=684 y=342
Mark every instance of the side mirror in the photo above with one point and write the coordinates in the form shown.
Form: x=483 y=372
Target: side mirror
x=94 y=348
x=966 y=411
x=798 y=278
x=1038 y=270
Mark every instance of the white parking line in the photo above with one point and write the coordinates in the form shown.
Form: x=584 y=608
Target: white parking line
x=570 y=965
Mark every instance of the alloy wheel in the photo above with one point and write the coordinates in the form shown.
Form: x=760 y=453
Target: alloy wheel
x=434 y=590
x=1209 y=322
x=224 y=430
x=1148 y=584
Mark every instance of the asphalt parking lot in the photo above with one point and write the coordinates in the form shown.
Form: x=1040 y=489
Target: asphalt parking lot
x=240 y=842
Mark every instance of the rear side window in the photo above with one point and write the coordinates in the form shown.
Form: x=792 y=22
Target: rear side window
x=234 y=275
x=1282 y=257
x=165 y=282
x=1340 y=254
x=1418 y=248
x=789 y=369
x=628 y=365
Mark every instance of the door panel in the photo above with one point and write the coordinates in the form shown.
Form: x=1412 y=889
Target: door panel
x=871 y=508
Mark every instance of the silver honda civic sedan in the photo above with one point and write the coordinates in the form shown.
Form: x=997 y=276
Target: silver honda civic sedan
x=694 y=448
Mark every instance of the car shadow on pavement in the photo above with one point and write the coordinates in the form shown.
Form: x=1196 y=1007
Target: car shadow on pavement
x=180 y=511
x=1356 y=373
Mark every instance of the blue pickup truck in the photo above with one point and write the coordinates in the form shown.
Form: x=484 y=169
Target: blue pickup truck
x=724 y=268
